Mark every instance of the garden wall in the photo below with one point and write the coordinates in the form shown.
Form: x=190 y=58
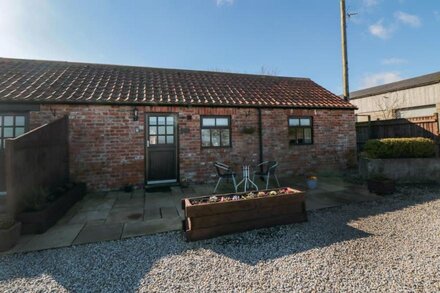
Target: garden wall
x=403 y=170
x=37 y=159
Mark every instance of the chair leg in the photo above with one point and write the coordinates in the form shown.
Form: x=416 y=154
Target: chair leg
x=267 y=181
x=276 y=178
x=234 y=182
x=218 y=182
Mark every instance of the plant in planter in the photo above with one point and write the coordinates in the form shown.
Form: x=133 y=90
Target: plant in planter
x=9 y=232
x=128 y=188
x=312 y=181
x=381 y=184
x=38 y=199
x=211 y=216
x=248 y=130
x=42 y=209
x=184 y=181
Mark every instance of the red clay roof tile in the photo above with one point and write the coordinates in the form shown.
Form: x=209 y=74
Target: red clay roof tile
x=66 y=82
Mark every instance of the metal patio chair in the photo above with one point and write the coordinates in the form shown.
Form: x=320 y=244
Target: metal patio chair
x=224 y=172
x=267 y=169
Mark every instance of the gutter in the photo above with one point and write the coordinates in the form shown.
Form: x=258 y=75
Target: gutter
x=260 y=135
x=108 y=103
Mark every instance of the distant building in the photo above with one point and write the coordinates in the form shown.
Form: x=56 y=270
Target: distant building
x=414 y=97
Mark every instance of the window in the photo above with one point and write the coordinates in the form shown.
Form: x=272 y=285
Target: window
x=300 y=130
x=161 y=130
x=216 y=131
x=11 y=126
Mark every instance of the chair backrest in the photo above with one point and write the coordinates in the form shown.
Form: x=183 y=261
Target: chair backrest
x=221 y=168
x=272 y=167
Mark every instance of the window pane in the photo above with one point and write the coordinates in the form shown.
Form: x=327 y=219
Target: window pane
x=19 y=131
x=153 y=139
x=222 y=121
x=153 y=130
x=1 y=145
x=8 y=132
x=19 y=120
x=170 y=129
x=206 y=135
x=293 y=122
x=152 y=121
x=305 y=122
x=215 y=136
x=170 y=139
x=161 y=120
x=208 y=121
x=161 y=129
x=1 y=130
x=225 y=137
x=9 y=120
x=170 y=120
x=300 y=135
x=161 y=139
x=307 y=135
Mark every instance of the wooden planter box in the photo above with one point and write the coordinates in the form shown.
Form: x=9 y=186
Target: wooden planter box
x=37 y=222
x=9 y=237
x=209 y=220
x=381 y=187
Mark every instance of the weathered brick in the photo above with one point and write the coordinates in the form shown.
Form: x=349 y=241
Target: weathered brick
x=106 y=152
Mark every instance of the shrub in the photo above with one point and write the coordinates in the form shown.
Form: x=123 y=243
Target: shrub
x=6 y=221
x=412 y=147
x=36 y=200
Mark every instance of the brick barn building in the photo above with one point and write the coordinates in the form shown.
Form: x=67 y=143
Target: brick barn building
x=136 y=125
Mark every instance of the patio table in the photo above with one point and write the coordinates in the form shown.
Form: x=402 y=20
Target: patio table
x=246 y=181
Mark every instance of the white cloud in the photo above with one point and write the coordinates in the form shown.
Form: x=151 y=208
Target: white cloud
x=393 y=61
x=380 y=31
x=370 y=80
x=224 y=2
x=409 y=19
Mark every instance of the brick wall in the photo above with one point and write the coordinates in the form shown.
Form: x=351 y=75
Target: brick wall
x=107 y=146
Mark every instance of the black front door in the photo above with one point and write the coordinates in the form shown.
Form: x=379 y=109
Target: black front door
x=11 y=125
x=161 y=148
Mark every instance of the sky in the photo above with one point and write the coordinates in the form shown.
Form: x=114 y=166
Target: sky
x=388 y=40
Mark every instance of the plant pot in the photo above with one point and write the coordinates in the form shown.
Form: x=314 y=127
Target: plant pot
x=37 y=222
x=209 y=220
x=381 y=186
x=312 y=183
x=9 y=237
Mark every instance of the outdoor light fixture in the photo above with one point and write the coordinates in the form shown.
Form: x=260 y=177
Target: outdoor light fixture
x=135 y=114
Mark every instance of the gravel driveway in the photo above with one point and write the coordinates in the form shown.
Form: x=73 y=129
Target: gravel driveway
x=389 y=245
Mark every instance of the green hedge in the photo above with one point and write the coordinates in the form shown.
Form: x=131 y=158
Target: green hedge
x=412 y=147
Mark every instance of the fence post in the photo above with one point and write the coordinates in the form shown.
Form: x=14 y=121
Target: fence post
x=369 y=127
x=437 y=150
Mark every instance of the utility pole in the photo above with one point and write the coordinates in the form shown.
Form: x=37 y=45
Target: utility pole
x=344 y=51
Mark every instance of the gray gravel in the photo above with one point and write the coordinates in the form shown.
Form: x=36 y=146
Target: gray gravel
x=389 y=245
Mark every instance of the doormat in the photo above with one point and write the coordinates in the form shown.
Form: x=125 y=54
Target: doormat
x=149 y=189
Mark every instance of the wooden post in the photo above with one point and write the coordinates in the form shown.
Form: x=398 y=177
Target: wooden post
x=346 y=93
x=437 y=140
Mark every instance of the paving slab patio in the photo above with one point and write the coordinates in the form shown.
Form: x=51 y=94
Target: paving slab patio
x=117 y=215
x=57 y=236
x=99 y=232
x=151 y=227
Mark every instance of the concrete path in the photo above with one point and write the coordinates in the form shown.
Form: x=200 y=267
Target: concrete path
x=117 y=215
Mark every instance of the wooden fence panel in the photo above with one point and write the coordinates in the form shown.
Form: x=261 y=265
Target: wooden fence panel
x=426 y=126
x=35 y=160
